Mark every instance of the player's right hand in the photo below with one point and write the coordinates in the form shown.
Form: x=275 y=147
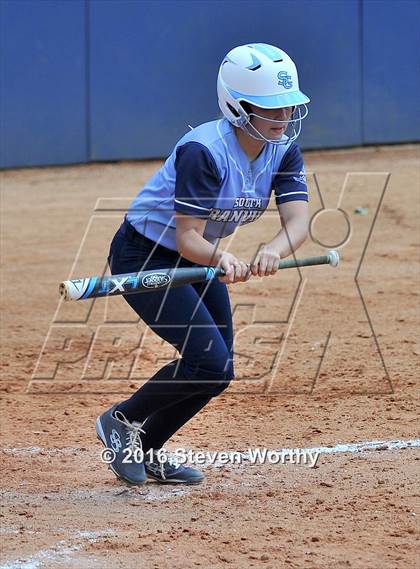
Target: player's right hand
x=236 y=270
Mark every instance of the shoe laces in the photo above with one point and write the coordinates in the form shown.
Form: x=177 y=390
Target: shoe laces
x=133 y=431
x=169 y=462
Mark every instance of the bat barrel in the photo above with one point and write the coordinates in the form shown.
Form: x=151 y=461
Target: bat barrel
x=130 y=283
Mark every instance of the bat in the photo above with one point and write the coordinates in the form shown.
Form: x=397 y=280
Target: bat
x=146 y=281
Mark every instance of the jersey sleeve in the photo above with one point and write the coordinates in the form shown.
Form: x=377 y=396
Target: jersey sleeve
x=289 y=183
x=197 y=182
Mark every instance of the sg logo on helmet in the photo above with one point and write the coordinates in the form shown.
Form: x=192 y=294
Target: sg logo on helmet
x=285 y=80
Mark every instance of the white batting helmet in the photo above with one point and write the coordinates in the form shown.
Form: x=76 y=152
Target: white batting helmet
x=265 y=76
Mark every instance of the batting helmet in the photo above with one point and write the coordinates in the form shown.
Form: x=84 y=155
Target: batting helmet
x=264 y=76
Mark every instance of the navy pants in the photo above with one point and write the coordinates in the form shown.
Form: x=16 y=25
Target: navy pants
x=196 y=319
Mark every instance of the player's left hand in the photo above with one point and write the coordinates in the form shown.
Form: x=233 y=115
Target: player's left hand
x=266 y=261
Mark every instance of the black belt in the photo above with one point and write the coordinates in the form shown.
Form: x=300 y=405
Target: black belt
x=133 y=235
x=129 y=231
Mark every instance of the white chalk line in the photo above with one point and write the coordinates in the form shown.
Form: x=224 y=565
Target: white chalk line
x=360 y=447
x=61 y=552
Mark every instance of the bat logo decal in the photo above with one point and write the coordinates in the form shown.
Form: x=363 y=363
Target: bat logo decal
x=118 y=284
x=210 y=272
x=156 y=280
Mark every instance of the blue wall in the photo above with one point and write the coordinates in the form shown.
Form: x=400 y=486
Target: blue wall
x=391 y=52
x=43 y=82
x=86 y=80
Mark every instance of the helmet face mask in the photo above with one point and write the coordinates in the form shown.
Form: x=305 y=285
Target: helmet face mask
x=290 y=127
x=262 y=76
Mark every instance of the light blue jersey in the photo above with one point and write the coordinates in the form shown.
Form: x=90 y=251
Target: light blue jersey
x=208 y=175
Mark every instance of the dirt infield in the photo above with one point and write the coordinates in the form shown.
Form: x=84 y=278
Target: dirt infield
x=324 y=357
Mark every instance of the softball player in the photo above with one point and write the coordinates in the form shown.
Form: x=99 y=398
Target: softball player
x=219 y=176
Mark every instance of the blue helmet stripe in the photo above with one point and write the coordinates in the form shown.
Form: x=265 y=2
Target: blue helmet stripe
x=268 y=50
x=272 y=101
